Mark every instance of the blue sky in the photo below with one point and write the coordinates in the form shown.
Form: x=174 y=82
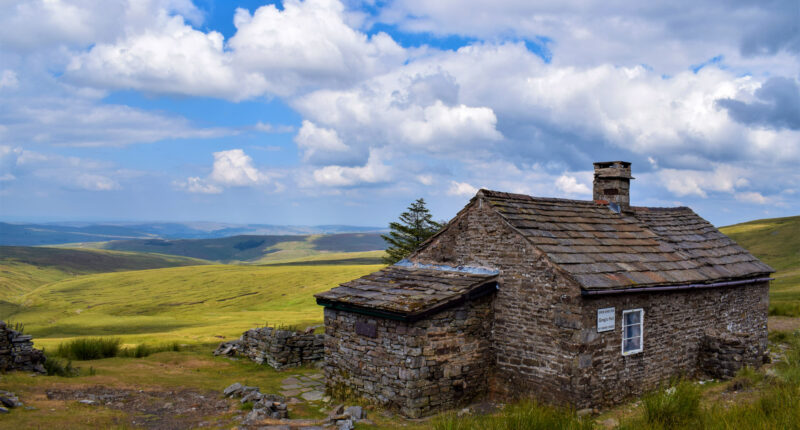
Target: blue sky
x=331 y=112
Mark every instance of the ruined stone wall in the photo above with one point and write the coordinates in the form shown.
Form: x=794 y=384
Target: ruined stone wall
x=674 y=326
x=277 y=348
x=537 y=320
x=417 y=368
x=723 y=353
x=17 y=352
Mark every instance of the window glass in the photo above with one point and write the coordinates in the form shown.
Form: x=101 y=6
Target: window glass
x=632 y=329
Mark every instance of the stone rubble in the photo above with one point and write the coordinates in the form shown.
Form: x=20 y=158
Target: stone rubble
x=280 y=349
x=264 y=405
x=8 y=400
x=17 y=351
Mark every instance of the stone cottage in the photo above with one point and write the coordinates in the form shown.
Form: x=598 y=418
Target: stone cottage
x=573 y=302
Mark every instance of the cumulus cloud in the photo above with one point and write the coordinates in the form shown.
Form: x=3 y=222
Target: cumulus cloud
x=722 y=178
x=461 y=189
x=314 y=141
x=752 y=197
x=570 y=185
x=231 y=168
x=8 y=79
x=373 y=172
x=305 y=45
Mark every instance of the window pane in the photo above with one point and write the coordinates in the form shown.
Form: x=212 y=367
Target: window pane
x=633 y=318
x=632 y=344
x=633 y=331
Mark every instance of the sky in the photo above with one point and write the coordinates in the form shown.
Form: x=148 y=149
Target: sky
x=345 y=112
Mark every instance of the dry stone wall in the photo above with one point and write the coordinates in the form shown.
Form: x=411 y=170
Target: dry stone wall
x=17 y=351
x=722 y=353
x=278 y=348
x=415 y=367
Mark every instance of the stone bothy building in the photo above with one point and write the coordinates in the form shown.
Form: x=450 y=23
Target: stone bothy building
x=573 y=302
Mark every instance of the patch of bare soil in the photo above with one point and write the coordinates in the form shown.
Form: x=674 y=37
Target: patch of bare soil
x=783 y=323
x=180 y=409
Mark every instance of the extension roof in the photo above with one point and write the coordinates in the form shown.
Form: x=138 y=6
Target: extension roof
x=408 y=291
x=645 y=247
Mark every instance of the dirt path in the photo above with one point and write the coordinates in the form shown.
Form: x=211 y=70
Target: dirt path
x=783 y=323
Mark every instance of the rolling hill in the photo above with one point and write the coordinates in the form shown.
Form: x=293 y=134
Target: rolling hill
x=254 y=248
x=187 y=304
x=775 y=241
x=61 y=233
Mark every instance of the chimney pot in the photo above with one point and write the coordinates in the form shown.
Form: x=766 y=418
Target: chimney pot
x=612 y=182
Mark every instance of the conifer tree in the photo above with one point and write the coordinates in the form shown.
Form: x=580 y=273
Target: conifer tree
x=415 y=226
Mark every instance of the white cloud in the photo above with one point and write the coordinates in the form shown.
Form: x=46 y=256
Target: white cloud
x=269 y=128
x=570 y=185
x=752 y=197
x=231 y=168
x=196 y=184
x=425 y=179
x=22 y=165
x=684 y=182
x=373 y=172
x=235 y=168
x=305 y=45
x=461 y=189
x=312 y=140
x=8 y=79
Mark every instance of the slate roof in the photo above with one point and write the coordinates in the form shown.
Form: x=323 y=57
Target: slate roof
x=411 y=292
x=604 y=250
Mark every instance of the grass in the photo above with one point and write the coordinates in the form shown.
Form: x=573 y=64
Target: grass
x=89 y=348
x=525 y=415
x=776 y=242
x=194 y=304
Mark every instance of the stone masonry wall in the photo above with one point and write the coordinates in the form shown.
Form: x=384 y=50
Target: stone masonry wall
x=722 y=353
x=537 y=320
x=674 y=326
x=417 y=368
x=17 y=352
x=277 y=348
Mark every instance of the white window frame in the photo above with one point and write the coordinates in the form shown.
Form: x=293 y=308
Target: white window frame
x=641 y=331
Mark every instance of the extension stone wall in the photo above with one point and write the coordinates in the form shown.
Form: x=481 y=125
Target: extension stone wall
x=675 y=327
x=17 y=352
x=537 y=311
x=278 y=348
x=417 y=368
x=722 y=353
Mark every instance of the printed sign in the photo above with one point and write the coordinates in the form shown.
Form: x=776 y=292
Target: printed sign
x=605 y=319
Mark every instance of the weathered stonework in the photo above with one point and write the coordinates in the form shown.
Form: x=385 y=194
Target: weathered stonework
x=418 y=367
x=17 y=352
x=722 y=353
x=278 y=348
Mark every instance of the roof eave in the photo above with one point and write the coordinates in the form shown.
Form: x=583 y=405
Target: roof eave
x=681 y=287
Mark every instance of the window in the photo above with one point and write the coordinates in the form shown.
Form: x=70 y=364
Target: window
x=632 y=331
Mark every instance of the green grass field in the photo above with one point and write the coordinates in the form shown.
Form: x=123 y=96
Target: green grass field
x=776 y=242
x=186 y=304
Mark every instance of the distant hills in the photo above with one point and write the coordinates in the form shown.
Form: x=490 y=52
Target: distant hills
x=62 y=233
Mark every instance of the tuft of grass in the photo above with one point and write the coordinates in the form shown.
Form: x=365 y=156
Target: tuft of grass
x=56 y=367
x=673 y=407
x=745 y=378
x=144 y=350
x=89 y=348
x=525 y=415
x=246 y=406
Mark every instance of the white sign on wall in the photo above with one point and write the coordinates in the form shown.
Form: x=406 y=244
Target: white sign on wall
x=605 y=319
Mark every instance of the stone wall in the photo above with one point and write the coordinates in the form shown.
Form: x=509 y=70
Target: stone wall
x=418 y=367
x=722 y=353
x=675 y=324
x=278 y=348
x=536 y=309
x=17 y=352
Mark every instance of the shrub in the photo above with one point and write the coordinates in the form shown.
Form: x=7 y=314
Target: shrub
x=525 y=415
x=89 y=348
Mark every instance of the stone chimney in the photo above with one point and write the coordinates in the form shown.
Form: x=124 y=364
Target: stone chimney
x=612 y=182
